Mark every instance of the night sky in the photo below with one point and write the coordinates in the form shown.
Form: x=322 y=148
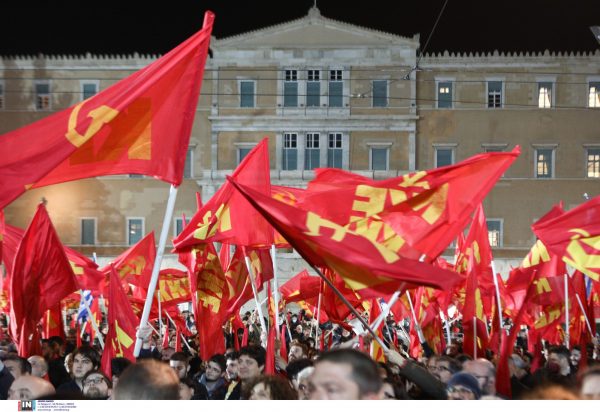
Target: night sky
x=126 y=26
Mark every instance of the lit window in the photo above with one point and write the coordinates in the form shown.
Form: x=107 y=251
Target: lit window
x=135 y=230
x=594 y=94
x=494 y=227
x=593 y=163
x=444 y=95
x=543 y=163
x=545 y=95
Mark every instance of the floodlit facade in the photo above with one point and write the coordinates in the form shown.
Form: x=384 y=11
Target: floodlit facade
x=332 y=94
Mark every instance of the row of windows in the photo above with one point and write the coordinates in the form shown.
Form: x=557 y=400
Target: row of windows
x=135 y=230
x=335 y=97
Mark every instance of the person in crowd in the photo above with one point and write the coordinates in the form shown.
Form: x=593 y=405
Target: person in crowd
x=251 y=365
x=427 y=385
x=557 y=370
x=57 y=372
x=96 y=385
x=463 y=386
x=213 y=379
x=294 y=368
x=590 y=383
x=232 y=365
x=271 y=387
x=29 y=387
x=39 y=366
x=345 y=374
x=117 y=367
x=85 y=359
x=17 y=366
x=301 y=383
x=297 y=350
x=148 y=379
x=179 y=362
x=393 y=391
x=575 y=359
x=187 y=389
x=551 y=392
x=6 y=379
x=485 y=372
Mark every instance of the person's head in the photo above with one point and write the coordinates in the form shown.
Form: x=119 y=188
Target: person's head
x=215 y=368
x=301 y=383
x=453 y=349
x=39 y=366
x=180 y=363
x=69 y=363
x=29 y=387
x=463 y=386
x=393 y=391
x=56 y=347
x=516 y=366
x=232 y=365
x=166 y=354
x=187 y=389
x=297 y=350
x=251 y=362
x=85 y=359
x=96 y=385
x=485 y=372
x=294 y=367
x=575 y=356
x=272 y=388
x=444 y=368
x=117 y=366
x=17 y=366
x=590 y=383
x=345 y=374
x=147 y=380
x=558 y=359
x=552 y=392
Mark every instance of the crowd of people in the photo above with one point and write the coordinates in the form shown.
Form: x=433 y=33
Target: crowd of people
x=343 y=371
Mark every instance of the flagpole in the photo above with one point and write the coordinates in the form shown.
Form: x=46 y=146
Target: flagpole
x=587 y=321
x=352 y=309
x=498 y=298
x=275 y=285
x=180 y=334
x=447 y=325
x=567 y=337
x=474 y=337
x=254 y=291
x=160 y=324
x=319 y=311
x=386 y=311
x=417 y=326
x=156 y=269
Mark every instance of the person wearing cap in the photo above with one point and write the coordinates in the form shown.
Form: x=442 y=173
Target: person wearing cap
x=463 y=386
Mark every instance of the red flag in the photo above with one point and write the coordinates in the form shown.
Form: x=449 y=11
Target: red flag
x=122 y=324
x=41 y=277
x=415 y=214
x=301 y=286
x=270 y=355
x=52 y=323
x=367 y=264
x=142 y=124
x=210 y=297
x=283 y=351
x=575 y=236
x=177 y=339
x=135 y=264
x=291 y=196
x=227 y=217
x=2 y=230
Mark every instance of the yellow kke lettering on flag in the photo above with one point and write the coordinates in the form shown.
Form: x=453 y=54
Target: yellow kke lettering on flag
x=210 y=224
x=121 y=339
x=583 y=253
x=538 y=254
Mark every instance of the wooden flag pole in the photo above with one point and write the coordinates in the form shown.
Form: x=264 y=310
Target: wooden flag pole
x=156 y=269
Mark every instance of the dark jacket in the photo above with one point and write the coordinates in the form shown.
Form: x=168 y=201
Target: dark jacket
x=6 y=379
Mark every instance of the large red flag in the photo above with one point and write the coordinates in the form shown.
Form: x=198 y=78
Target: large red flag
x=142 y=124
x=575 y=236
x=227 y=217
x=414 y=215
x=2 y=229
x=41 y=277
x=367 y=264
x=122 y=324
x=302 y=286
x=52 y=323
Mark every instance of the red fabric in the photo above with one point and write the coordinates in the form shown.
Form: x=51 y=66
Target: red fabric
x=283 y=338
x=178 y=340
x=366 y=265
x=227 y=217
x=245 y=337
x=2 y=230
x=291 y=196
x=301 y=286
x=41 y=277
x=209 y=298
x=122 y=324
x=270 y=356
x=414 y=215
x=141 y=124
x=52 y=323
x=575 y=236
x=135 y=264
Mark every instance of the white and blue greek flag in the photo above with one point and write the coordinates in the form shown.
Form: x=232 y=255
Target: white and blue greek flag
x=86 y=297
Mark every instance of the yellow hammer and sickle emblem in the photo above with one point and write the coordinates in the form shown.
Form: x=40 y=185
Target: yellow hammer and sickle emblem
x=99 y=115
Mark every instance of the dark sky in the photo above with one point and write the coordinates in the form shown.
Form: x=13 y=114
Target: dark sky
x=156 y=26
